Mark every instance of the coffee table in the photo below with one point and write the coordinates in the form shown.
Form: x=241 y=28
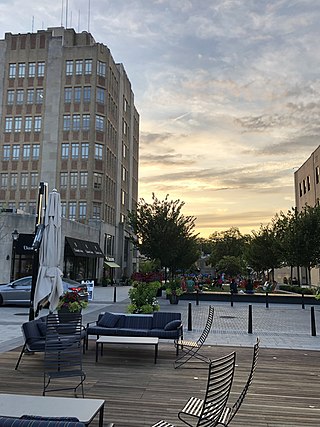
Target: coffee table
x=16 y=405
x=127 y=340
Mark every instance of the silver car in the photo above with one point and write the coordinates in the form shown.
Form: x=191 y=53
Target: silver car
x=18 y=292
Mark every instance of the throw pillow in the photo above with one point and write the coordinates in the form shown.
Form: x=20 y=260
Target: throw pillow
x=42 y=326
x=173 y=325
x=109 y=320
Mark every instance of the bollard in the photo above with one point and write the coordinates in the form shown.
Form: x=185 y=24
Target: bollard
x=313 y=323
x=115 y=294
x=250 y=320
x=231 y=299
x=197 y=297
x=189 y=317
x=302 y=299
x=267 y=300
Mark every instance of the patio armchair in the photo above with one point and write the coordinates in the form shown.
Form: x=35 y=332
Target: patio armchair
x=191 y=349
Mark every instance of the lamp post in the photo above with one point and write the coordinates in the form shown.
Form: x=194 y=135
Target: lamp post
x=15 y=237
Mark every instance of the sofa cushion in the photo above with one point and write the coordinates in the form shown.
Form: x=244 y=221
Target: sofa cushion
x=109 y=320
x=173 y=325
x=160 y=319
x=161 y=333
x=100 y=330
x=132 y=332
x=137 y=321
x=42 y=326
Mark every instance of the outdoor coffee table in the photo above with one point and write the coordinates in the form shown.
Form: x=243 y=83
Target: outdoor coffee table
x=16 y=405
x=127 y=340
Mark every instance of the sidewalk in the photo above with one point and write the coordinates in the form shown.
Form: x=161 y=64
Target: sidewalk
x=279 y=326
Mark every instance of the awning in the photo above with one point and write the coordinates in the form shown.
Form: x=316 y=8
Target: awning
x=84 y=248
x=112 y=264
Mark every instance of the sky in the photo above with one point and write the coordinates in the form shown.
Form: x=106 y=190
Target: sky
x=227 y=92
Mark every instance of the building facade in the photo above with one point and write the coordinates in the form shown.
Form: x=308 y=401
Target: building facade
x=68 y=118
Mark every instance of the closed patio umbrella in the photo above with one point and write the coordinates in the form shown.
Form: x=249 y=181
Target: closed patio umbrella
x=49 y=283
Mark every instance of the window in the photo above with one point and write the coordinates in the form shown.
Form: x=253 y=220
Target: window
x=39 y=96
x=77 y=94
x=4 y=180
x=76 y=122
x=13 y=180
x=67 y=95
x=99 y=123
x=84 y=150
x=17 y=124
x=86 y=93
x=35 y=151
x=96 y=211
x=32 y=208
x=63 y=209
x=98 y=150
x=308 y=183
x=41 y=66
x=26 y=152
x=73 y=179
x=101 y=69
x=6 y=152
x=24 y=180
x=21 y=69
x=15 y=152
x=79 y=63
x=12 y=71
x=124 y=127
x=22 y=206
x=123 y=197
x=34 y=180
x=124 y=174
x=109 y=245
x=64 y=179
x=66 y=122
x=317 y=174
x=19 y=96
x=86 y=122
x=97 y=181
x=82 y=210
x=304 y=187
x=32 y=69
x=28 y=124
x=124 y=150
x=64 y=151
x=72 y=210
x=69 y=68
x=83 y=179
x=30 y=96
x=88 y=66
x=8 y=124
x=100 y=95
x=10 y=97
x=74 y=150
x=37 y=123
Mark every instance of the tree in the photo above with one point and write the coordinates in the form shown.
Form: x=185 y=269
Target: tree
x=163 y=233
x=231 y=265
x=226 y=243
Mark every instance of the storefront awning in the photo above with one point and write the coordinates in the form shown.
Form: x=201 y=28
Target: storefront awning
x=112 y=264
x=84 y=248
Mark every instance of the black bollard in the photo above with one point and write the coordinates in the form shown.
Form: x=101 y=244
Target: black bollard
x=231 y=299
x=197 y=297
x=313 y=323
x=302 y=300
x=267 y=300
x=189 y=317
x=115 y=294
x=250 y=320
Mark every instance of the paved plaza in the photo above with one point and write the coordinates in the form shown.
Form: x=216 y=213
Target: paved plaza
x=278 y=326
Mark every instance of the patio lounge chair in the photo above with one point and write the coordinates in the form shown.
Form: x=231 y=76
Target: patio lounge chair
x=209 y=410
x=63 y=353
x=230 y=412
x=190 y=349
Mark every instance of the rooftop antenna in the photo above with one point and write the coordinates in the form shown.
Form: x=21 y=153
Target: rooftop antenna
x=66 y=13
x=71 y=19
x=32 y=25
x=61 y=21
x=89 y=10
x=79 y=21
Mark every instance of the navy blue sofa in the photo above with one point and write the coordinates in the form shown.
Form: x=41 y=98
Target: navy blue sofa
x=39 y=422
x=159 y=324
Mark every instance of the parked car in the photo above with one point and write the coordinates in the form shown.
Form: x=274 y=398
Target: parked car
x=18 y=292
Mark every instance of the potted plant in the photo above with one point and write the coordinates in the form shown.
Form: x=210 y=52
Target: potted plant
x=71 y=302
x=173 y=291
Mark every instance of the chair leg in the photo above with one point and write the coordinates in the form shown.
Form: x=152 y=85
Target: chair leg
x=20 y=356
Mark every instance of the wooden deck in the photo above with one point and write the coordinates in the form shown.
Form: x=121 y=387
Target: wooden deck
x=285 y=390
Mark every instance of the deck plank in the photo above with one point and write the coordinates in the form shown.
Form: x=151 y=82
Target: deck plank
x=285 y=391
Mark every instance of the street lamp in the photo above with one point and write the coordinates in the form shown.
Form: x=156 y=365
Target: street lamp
x=15 y=237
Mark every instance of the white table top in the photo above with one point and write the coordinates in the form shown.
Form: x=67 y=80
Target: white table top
x=16 y=405
x=127 y=340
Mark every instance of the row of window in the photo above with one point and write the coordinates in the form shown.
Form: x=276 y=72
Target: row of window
x=20 y=96
x=28 y=124
x=15 y=151
x=305 y=185
x=31 y=69
x=13 y=181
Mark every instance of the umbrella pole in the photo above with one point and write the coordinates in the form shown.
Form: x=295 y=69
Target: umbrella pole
x=39 y=227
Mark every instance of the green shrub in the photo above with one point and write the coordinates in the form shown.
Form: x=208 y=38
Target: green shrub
x=297 y=289
x=143 y=297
